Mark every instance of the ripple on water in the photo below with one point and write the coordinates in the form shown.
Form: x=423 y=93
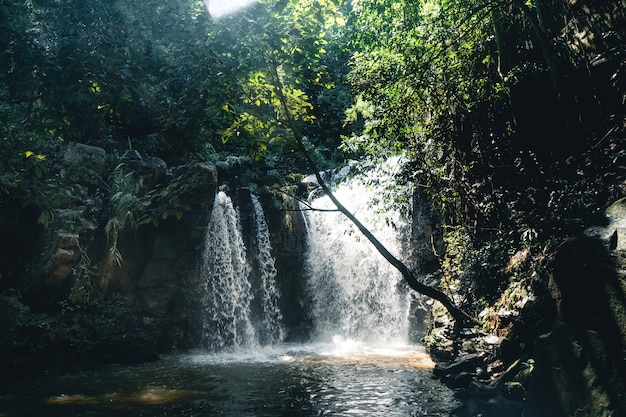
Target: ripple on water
x=289 y=381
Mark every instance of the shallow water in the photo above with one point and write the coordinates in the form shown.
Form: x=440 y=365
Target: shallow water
x=290 y=380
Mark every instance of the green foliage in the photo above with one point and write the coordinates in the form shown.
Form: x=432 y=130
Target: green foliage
x=85 y=274
x=29 y=183
x=99 y=73
x=124 y=208
x=174 y=198
x=168 y=77
x=486 y=269
x=465 y=88
x=457 y=263
x=283 y=48
x=132 y=204
x=422 y=73
x=491 y=102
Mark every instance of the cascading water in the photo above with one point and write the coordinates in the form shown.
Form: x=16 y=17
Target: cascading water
x=353 y=294
x=357 y=295
x=270 y=326
x=240 y=307
x=227 y=295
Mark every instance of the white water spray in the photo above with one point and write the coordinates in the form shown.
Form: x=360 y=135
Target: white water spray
x=227 y=295
x=240 y=303
x=357 y=295
x=270 y=327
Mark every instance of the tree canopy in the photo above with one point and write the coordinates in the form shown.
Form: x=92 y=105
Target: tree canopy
x=501 y=107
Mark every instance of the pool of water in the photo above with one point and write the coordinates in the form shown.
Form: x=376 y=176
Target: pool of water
x=289 y=380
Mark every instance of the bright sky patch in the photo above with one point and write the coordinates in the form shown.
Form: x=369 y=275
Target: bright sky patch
x=220 y=8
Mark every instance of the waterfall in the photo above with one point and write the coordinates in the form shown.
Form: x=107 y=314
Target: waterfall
x=350 y=293
x=238 y=312
x=270 y=326
x=227 y=295
x=356 y=293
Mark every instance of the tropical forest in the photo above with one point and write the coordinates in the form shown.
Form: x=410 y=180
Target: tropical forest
x=308 y=208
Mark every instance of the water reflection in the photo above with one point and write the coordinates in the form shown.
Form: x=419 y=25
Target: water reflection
x=291 y=381
x=153 y=396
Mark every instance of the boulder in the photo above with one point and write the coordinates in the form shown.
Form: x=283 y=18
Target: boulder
x=60 y=249
x=86 y=155
x=579 y=364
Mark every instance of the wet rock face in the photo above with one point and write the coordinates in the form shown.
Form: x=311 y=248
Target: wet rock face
x=160 y=261
x=61 y=248
x=288 y=240
x=72 y=302
x=166 y=282
x=580 y=363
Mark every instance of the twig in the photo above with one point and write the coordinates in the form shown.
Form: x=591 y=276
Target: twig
x=604 y=137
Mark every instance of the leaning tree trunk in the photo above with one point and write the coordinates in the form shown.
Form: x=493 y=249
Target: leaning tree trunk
x=460 y=316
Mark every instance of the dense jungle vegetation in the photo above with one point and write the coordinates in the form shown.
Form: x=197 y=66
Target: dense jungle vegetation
x=510 y=113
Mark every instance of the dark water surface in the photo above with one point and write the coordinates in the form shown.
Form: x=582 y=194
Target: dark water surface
x=294 y=381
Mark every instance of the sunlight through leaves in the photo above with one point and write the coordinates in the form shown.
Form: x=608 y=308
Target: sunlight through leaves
x=221 y=8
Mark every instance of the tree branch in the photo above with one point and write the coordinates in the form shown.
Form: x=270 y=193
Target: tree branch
x=460 y=316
